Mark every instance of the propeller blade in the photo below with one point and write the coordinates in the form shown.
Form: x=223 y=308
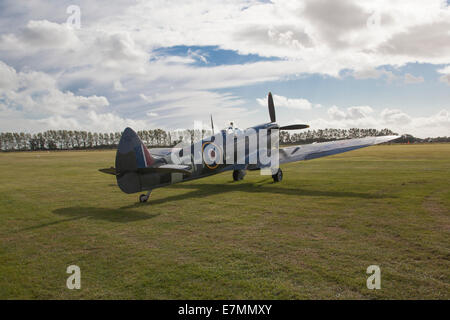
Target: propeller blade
x=294 y=127
x=271 y=108
x=212 y=124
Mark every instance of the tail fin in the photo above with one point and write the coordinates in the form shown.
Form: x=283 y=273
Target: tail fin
x=132 y=155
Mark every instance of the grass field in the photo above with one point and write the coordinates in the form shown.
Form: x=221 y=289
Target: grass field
x=311 y=236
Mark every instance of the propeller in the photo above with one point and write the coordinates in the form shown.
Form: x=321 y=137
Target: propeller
x=273 y=118
x=294 y=127
x=271 y=108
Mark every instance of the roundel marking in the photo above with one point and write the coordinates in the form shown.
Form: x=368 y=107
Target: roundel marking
x=213 y=153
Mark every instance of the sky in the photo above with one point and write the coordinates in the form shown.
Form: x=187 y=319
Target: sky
x=165 y=64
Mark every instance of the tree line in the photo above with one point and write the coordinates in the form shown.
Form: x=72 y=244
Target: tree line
x=79 y=140
x=75 y=140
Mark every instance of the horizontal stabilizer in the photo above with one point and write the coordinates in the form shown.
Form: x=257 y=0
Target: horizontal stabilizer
x=167 y=168
x=111 y=170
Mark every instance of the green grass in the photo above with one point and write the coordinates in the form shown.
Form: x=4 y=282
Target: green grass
x=311 y=236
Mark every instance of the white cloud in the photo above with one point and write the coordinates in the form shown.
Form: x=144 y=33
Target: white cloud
x=118 y=86
x=372 y=73
x=196 y=54
x=446 y=75
x=442 y=118
x=409 y=78
x=435 y=125
x=33 y=99
x=326 y=35
x=8 y=77
x=352 y=113
x=46 y=34
x=146 y=98
x=395 y=116
x=102 y=122
x=335 y=21
x=430 y=41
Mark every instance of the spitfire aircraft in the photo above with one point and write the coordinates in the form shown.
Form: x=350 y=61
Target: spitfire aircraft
x=140 y=169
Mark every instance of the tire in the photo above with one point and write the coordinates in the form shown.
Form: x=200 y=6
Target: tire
x=277 y=177
x=143 y=198
x=238 y=175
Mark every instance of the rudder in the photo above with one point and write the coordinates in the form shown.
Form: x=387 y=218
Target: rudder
x=131 y=156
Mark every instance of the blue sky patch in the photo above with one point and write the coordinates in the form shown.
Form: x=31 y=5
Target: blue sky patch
x=422 y=98
x=210 y=55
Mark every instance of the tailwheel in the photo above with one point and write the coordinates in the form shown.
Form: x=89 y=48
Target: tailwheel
x=144 y=197
x=277 y=177
x=238 y=175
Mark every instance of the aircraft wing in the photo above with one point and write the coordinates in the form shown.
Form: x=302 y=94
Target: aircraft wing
x=323 y=149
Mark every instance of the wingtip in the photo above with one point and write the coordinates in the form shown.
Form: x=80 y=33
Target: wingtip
x=384 y=139
x=393 y=137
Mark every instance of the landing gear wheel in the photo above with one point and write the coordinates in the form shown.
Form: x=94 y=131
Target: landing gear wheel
x=238 y=175
x=277 y=177
x=144 y=197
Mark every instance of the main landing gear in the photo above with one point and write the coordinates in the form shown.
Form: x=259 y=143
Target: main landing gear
x=277 y=177
x=239 y=175
x=144 y=197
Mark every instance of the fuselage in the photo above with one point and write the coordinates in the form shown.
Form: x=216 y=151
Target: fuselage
x=221 y=152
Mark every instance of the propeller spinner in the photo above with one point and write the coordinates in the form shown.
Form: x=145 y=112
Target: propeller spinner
x=273 y=117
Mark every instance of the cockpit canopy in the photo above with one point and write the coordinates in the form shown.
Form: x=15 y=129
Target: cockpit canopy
x=232 y=130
